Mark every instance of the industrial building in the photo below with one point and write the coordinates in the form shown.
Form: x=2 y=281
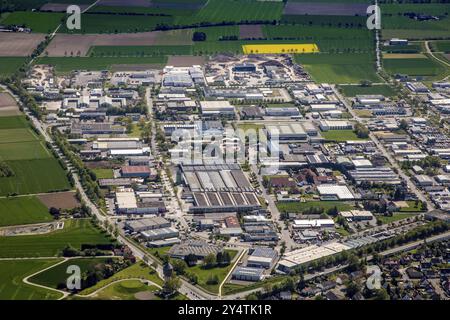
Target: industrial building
x=357 y=215
x=138 y=172
x=326 y=125
x=96 y=128
x=160 y=234
x=375 y=175
x=288 y=132
x=295 y=258
x=215 y=109
x=261 y=257
x=147 y=224
x=199 y=249
x=282 y=112
x=335 y=192
x=313 y=223
x=244 y=67
x=248 y=274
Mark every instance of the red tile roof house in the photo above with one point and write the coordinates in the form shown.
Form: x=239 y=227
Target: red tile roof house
x=137 y=172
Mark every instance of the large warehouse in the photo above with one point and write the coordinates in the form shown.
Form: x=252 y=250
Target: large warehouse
x=219 y=188
x=301 y=256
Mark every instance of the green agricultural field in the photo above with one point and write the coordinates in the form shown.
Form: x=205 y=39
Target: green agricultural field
x=13 y=122
x=413 y=66
x=299 y=207
x=12 y=272
x=218 y=11
x=23 y=151
x=64 y=65
x=9 y=65
x=329 y=39
x=339 y=68
x=34 y=176
x=114 y=23
x=56 y=277
x=142 y=10
x=75 y=233
x=35 y=170
x=396 y=24
x=39 y=22
x=22 y=210
x=340 y=135
x=16 y=135
x=440 y=46
x=411 y=48
x=351 y=91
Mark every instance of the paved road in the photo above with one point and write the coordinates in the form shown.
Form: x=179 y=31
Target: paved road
x=413 y=245
x=285 y=234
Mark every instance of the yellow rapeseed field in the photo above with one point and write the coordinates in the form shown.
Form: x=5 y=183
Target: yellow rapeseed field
x=280 y=48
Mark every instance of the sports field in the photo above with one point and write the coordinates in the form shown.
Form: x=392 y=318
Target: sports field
x=279 y=48
x=56 y=277
x=339 y=68
x=75 y=233
x=22 y=210
x=12 y=272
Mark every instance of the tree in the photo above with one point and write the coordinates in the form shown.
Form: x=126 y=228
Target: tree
x=179 y=266
x=223 y=258
x=361 y=131
x=403 y=124
x=190 y=259
x=171 y=285
x=55 y=212
x=212 y=279
x=199 y=36
x=209 y=261
x=351 y=289
x=382 y=294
